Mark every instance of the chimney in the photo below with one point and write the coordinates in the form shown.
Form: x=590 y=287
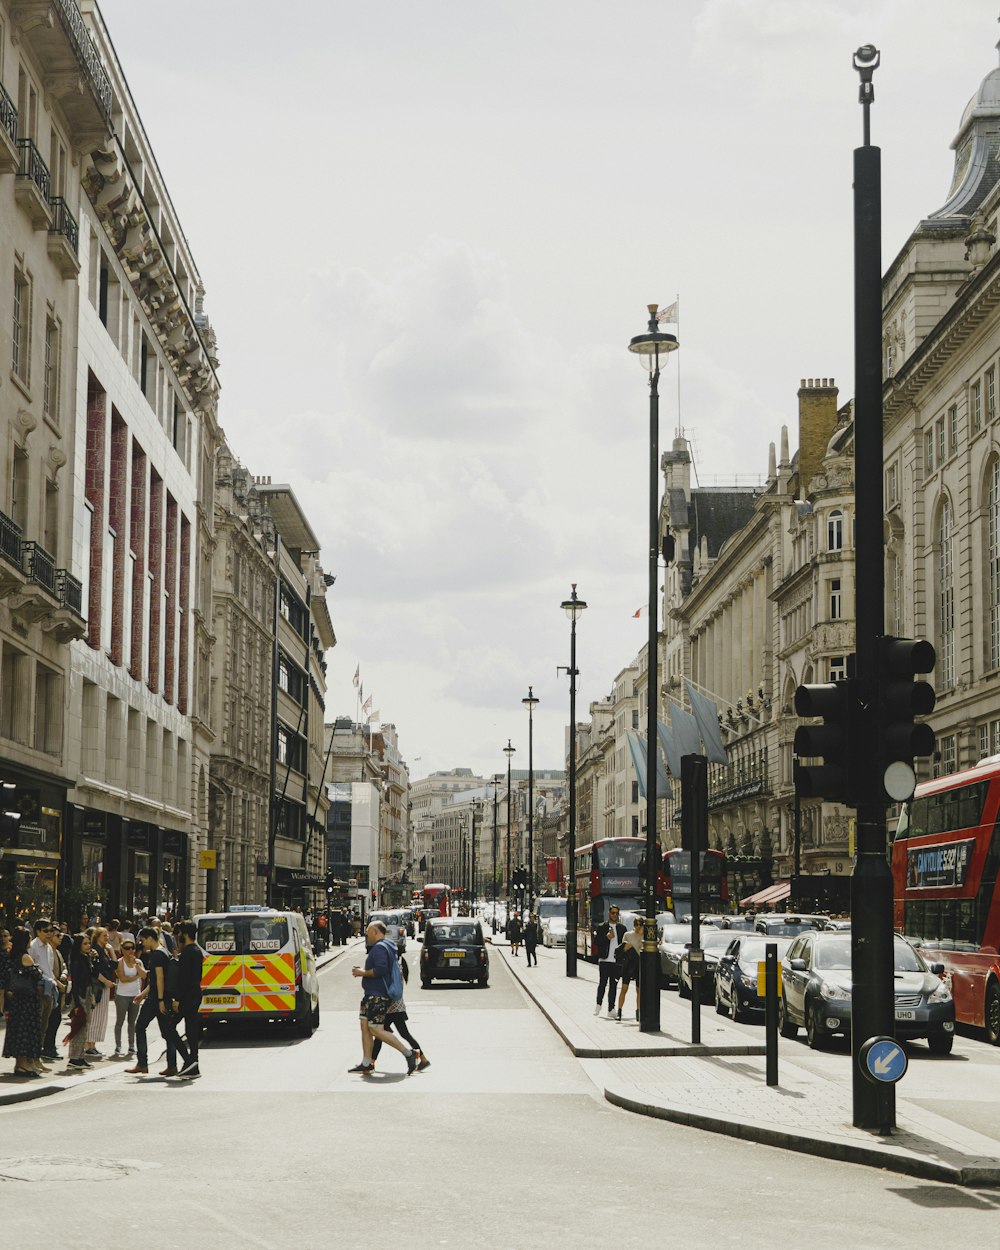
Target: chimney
x=817 y=422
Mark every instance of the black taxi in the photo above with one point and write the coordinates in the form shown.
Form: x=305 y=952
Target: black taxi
x=454 y=950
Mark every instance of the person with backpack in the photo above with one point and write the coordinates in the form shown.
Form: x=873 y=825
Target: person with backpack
x=383 y=986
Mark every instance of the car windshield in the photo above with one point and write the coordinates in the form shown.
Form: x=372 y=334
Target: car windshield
x=833 y=954
x=906 y=959
x=781 y=929
x=676 y=935
x=753 y=950
x=453 y=935
x=715 y=940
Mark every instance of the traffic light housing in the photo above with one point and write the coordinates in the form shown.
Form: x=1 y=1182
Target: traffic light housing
x=901 y=698
x=836 y=703
x=329 y=881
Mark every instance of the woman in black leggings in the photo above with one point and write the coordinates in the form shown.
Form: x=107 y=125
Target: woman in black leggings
x=396 y=1018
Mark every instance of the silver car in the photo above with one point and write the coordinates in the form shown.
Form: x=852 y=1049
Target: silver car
x=395 y=926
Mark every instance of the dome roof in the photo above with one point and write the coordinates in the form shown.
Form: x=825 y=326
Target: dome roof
x=977 y=153
x=985 y=102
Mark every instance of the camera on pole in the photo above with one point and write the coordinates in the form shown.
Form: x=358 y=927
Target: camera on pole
x=901 y=698
x=836 y=703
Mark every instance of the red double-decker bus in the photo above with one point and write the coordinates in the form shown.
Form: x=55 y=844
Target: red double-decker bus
x=713 y=882
x=608 y=871
x=944 y=874
x=437 y=896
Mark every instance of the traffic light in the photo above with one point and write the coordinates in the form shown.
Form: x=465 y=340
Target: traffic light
x=836 y=703
x=901 y=698
x=329 y=881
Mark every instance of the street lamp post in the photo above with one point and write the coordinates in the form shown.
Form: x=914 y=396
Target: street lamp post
x=477 y=809
x=573 y=607
x=652 y=348
x=496 y=783
x=531 y=702
x=508 y=751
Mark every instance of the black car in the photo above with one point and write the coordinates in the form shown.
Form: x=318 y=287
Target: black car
x=736 y=974
x=454 y=950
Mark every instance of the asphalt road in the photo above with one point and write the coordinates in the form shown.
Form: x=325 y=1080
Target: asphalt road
x=503 y=1142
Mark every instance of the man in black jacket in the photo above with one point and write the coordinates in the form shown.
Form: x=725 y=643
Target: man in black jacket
x=188 y=1000
x=607 y=938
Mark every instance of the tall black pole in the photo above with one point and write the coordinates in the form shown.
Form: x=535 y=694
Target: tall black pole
x=530 y=702
x=472 y=862
x=573 y=607
x=508 y=751
x=649 y=967
x=871 y=883
x=496 y=782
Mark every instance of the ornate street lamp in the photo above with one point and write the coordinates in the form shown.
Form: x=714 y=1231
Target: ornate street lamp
x=531 y=702
x=652 y=348
x=496 y=782
x=573 y=607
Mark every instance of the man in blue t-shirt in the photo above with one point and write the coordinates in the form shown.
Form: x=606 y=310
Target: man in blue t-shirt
x=377 y=974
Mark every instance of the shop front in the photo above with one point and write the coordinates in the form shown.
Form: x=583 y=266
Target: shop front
x=123 y=868
x=31 y=846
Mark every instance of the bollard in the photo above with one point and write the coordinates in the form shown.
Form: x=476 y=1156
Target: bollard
x=771 y=990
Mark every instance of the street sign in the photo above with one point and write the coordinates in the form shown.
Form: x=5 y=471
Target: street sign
x=883 y=1060
x=206 y=859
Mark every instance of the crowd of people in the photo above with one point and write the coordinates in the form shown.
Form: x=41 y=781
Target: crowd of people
x=51 y=978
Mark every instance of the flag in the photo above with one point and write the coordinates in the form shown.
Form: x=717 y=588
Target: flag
x=367 y=704
x=423 y=863
x=671 y=314
x=668 y=745
x=374 y=716
x=643 y=611
x=552 y=867
x=357 y=677
x=687 y=735
x=707 y=716
x=637 y=746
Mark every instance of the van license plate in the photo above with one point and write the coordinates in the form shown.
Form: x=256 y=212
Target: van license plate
x=220 y=1000
x=905 y=1015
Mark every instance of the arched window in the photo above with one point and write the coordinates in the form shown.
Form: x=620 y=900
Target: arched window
x=946 y=596
x=835 y=531
x=993 y=561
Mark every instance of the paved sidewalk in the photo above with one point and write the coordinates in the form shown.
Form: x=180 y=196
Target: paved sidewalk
x=15 y=1089
x=721 y=1086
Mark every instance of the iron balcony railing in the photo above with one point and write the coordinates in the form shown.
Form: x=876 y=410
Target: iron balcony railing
x=745 y=776
x=33 y=167
x=8 y=114
x=86 y=53
x=64 y=223
x=10 y=540
x=70 y=591
x=39 y=566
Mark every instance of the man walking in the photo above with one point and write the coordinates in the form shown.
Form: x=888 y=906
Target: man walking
x=531 y=939
x=381 y=977
x=187 y=1004
x=154 y=1005
x=607 y=939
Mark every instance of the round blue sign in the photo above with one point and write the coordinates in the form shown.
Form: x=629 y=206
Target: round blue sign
x=883 y=1059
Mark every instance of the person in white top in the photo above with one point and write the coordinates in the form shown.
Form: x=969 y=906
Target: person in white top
x=41 y=952
x=130 y=975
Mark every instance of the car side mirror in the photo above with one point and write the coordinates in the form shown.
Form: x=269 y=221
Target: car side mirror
x=797 y=965
x=937 y=969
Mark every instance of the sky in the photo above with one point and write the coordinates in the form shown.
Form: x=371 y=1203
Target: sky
x=427 y=230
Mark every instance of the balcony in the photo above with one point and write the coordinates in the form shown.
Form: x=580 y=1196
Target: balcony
x=64 y=238
x=66 y=622
x=11 y=560
x=74 y=73
x=31 y=187
x=36 y=596
x=10 y=158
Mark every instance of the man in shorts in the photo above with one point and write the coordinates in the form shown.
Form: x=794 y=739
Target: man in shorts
x=376 y=973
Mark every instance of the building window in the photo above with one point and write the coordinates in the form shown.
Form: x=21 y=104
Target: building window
x=946 y=597
x=929 y=452
x=838 y=668
x=977 y=406
x=948 y=750
x=21 y=329
x=835 y=531
x=939 y=439
x=952 y=429
x=993 y=559
x=991 y=393
x=891 y=486
x=836 y=600
x=50 y=392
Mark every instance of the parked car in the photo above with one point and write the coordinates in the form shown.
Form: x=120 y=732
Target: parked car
x=817 y=992
x=454 y=950
x=409 y=920
x=554 y=931
x=788 y=924
x=714 y=942
x=736 y=973
x=672 y=946
x=395 y=926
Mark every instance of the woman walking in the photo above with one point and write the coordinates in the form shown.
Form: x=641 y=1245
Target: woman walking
x=631 y=946
x=23 y=1039
x=516 y=933
x=105 y=979
x=531 y=940
x=81 y=971
x=395 y=1017
x=130 y=973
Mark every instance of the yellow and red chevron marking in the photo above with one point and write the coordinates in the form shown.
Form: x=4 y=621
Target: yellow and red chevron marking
x=268 y=971
x=269 y=1002
x=221 y=972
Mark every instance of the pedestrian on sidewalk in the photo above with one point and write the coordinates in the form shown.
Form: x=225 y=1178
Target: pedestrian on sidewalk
x=105 y=980
x=23 y=1039
x=607 y=938
x=61 y=972
x=631 y=947
x=396 y=1018
x=516 y=933
x=130 y=972
x=153 y=1005
x=531 y=939
x=42 y=953
x=81 y=976
x=383 y=984
x=187 y=1004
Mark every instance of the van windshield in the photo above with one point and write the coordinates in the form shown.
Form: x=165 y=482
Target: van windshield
x=242 y=935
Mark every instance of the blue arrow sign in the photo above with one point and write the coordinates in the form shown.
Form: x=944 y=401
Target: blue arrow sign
x=883 y=1059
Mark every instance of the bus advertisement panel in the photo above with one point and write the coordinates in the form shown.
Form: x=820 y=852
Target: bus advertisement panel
x=608 y=871
x=944 y=874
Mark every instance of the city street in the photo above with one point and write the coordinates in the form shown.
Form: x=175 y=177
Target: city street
x=503 y=1140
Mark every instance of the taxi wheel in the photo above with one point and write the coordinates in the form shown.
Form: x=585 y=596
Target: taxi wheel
x=426 y=982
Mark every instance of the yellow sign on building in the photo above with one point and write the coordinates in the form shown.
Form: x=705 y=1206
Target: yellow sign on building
x=206 y=859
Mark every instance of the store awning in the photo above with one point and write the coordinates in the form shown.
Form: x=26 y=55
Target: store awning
x=773 y=894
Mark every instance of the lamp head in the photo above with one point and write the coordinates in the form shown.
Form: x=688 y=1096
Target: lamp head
x=573 y=606
x=530 y=702
x=654 y=346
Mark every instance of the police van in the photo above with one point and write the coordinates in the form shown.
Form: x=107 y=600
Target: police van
x=259 y=965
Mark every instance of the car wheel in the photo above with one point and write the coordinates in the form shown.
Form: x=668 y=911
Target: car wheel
x=786 y=1027
x=426 y=982
x=734 y=1007
x=941 y=1043
x=814 y=1032
x=993 y=1014
x=682 y=989
x=720 y=1006
x=483 y=982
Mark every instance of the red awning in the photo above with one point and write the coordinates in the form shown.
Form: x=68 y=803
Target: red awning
x=773 y=894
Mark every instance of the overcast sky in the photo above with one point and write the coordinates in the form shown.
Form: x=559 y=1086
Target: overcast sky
x=429 y=228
